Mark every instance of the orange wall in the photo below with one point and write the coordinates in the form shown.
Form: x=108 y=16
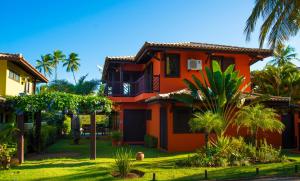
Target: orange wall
x=189 y=141
x=168 y=84
x=182 y=142
x=153 y=125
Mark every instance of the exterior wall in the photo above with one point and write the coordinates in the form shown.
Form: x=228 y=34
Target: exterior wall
x=153 y=125
x=182 y=141
x=123 y=106
x=242 y=64
x=3 y=75
x=14 y=87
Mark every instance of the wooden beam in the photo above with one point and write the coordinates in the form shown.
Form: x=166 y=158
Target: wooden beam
x=20 y=146
x=38 y=127
x=93 y=136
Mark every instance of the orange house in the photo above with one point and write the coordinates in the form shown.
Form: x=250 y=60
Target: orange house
x=140 y=87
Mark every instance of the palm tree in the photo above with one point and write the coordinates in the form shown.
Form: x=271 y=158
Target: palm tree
x=278 y=81
x=281 y=20
x=82 y=87
x=72 y=64
x=58 y=56
x=283 y=55
x=208 y=122
x=45 y=64
x=257 y=118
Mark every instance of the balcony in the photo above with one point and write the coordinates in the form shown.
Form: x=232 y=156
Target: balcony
x=145 y=84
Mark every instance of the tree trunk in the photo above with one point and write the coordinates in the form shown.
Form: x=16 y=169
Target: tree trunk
x=74 y=77
x=37 y=132
x=55 y=73
x=93 y=136
x=206 y=139
x=255 y=138
x=20 y=123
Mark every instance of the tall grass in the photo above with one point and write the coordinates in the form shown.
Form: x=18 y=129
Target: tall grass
x=123 y=161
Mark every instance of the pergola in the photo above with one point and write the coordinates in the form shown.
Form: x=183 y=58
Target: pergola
x=91 y=105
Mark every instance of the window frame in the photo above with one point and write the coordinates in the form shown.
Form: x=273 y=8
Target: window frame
x=15 y=76
x=177 y=75
x=220 y=59
x=180 y=130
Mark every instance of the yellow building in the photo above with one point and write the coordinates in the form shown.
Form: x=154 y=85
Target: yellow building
x=17 y=77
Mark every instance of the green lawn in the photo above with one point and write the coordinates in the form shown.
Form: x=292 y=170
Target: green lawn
x=81 y=168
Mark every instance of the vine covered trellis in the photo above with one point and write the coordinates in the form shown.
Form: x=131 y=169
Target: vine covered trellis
x=57 y=101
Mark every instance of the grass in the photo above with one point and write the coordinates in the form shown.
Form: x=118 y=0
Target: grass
x=163 y=164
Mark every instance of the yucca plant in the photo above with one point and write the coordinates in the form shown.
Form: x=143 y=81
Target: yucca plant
x=218 y=92
x=123 y=161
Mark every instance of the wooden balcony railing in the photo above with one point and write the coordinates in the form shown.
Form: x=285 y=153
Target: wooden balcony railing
x=144 y=84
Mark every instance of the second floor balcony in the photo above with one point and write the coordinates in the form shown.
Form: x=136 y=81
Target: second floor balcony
x=145 y=84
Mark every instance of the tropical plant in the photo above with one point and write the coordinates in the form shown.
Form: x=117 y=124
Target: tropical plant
x=72 y=64
x=208 y=122
x=45 y=64
x=219 y=93
x=283 y=55
x=258 y=117
x=58 y=57
x=278 y=81
x=281 y=20
x=266 y=153
x=82 y=87
x=123 y=161
x=8 y=133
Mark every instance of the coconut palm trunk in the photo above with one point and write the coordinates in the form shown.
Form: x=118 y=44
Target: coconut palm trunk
x=74 y=77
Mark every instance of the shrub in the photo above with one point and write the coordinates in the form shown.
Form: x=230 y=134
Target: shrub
x=48 y=136
x=267 y=154
x=6 y=152
x=123 y=161
x=150 y=141
x=116 y=136
x=234 y=152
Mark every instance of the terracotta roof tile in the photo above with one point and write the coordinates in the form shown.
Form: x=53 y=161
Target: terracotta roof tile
x=247 y=96
x=148 y=46
x=19 y=59
x=120 y=58
x=208 y=46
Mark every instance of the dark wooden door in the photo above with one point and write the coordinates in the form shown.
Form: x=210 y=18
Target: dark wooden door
x=134 y=125
x=288 y=135
x=163 y=128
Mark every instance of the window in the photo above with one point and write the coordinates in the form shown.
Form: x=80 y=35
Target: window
x=181 y=118
x=13 y=75
x=148 y=114
x=225 y=62
x=27 y=87
x=172 y=65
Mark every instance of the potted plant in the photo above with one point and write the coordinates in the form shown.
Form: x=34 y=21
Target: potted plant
x=116 y=137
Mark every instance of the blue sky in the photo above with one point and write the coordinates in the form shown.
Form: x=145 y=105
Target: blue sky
x=98 y=28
